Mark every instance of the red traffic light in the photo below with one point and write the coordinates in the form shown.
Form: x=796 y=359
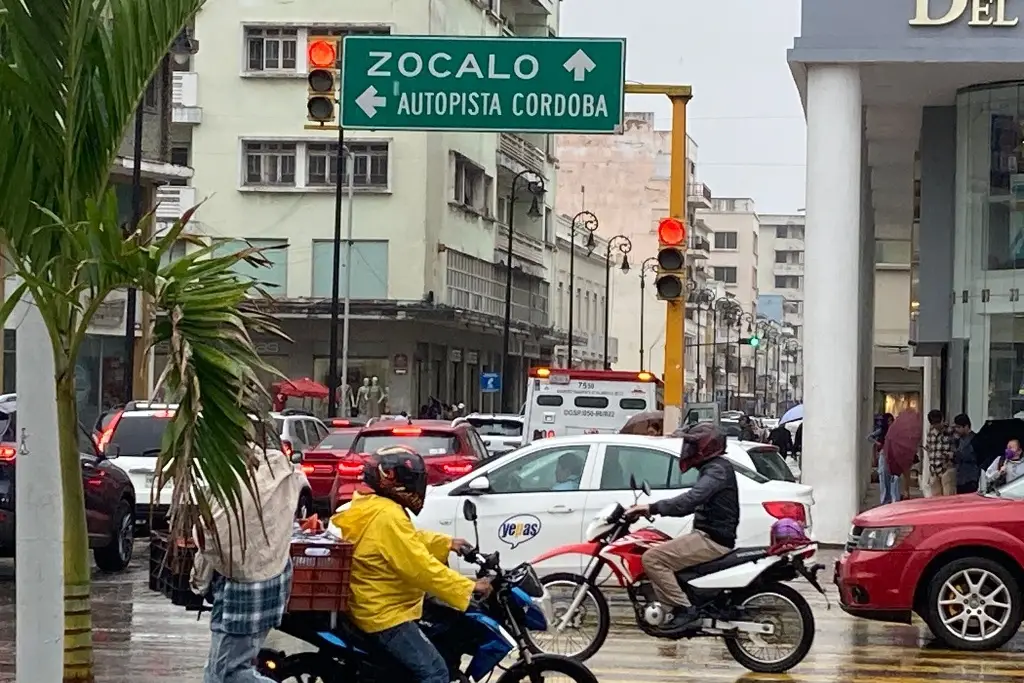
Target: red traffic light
x=322 y=54
x=671 y=231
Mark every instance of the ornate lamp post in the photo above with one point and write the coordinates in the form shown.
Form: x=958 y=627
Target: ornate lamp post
x=742 y=317
x=624 y=245
x=728 y=309
x=704 y=300
x=648 y=266
x=791 y=346
x=584 y=223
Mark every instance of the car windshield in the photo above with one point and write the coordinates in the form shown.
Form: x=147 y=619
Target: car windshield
x=749 y=473
x=490 y=427
x=137 y=435
x=771 y=464
x=337 y=442
x=425 y=444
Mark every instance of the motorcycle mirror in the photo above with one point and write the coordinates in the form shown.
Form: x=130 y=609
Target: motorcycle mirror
x=632 y=482
x=469 y=511
x=646 y=488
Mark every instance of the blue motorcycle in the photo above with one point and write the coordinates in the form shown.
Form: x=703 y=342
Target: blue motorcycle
x=488 y=632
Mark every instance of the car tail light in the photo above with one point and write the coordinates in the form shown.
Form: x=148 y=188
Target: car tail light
x=308 y=469
x=107 y=434
x=286 y=448
x=786 y=510
x=406 y=431
x=458 y=468
x=351 y=468
x=97 y=479
x=341 y=422
x=8 y=453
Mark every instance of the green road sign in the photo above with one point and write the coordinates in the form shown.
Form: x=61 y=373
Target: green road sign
x=541 y=85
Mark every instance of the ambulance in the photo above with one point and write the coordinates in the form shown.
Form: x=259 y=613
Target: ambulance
x=561 y=402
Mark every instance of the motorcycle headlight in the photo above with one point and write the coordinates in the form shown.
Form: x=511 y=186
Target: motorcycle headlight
x=883 y=538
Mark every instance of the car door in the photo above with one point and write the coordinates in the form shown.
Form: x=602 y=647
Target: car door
x=95 y=483
x=659 y=468
x=531 y=507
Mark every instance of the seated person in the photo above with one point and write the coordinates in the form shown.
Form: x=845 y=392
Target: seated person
x=394 y=565
x=568 y=472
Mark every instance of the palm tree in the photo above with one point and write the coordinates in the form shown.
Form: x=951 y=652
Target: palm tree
x=72 y=73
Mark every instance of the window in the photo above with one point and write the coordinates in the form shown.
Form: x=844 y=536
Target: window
x=726 y=274
x=781 y=232
x=553 y=469
x=633 y=403
x=273 y=278
x=338 y=441
x=477 y=444
x=270 y=163
x=787 y=282
x=726 y=240
x=426 y=444
x=780 y=257
x=473 y=187
x=151 y=98
x=370 y=169
x=644 y=464
x=591 y=402
x=271 y=49
x=352 y=31
x=177 y=251
x=370 y=269
x=180 y=156
x=549 y=400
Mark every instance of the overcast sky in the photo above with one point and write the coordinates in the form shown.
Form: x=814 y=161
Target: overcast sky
x=745 y=114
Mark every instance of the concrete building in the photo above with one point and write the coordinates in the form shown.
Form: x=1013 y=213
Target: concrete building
x=780 y=247
x=914 y=152
x=624 y=181
x=430 y=213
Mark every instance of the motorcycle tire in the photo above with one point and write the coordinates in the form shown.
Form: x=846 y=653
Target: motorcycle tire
x=548 y=664
x=308 y=667
x=604 y=620
x=792 y=596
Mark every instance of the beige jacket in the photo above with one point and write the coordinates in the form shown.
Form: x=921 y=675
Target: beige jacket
x=265 y=550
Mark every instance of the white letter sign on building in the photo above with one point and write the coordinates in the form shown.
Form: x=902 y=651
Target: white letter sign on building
x=981 y=13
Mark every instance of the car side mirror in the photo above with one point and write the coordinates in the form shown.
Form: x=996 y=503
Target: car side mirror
x=632 y=482
x=112 y=451
x=479 y=485
x=296 y=458
x=469 y=511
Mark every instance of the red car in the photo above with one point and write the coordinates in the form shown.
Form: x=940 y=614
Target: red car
x=322 y=465
x=955 y=561
x=450 y=451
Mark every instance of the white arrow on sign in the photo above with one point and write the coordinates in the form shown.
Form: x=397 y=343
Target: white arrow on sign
x=580 y=64
x=370 y=100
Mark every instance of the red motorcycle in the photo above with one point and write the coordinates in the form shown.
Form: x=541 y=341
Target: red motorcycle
x=741 y=597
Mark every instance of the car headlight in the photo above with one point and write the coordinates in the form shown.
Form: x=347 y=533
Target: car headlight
x=883 y=538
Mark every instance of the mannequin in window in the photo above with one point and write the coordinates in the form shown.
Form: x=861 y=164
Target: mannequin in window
x=375 y=397
x=363 y=399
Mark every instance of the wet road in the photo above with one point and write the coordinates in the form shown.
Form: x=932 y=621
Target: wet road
x=141 y=638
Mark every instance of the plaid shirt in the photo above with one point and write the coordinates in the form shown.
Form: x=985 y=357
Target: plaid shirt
x=940 y=450
x=244 y=609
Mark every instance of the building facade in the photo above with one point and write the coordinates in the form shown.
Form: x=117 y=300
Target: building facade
x=914 y=150
x=431 y=210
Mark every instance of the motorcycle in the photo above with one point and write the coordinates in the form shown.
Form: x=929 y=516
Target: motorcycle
x=729 y=593
x=488 y=632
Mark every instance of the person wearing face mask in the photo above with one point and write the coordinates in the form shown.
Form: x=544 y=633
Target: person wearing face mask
x=1009 y=466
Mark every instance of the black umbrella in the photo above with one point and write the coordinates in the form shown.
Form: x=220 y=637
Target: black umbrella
x=990 y=441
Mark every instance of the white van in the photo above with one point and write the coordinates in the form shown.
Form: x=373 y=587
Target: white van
x=562 y=402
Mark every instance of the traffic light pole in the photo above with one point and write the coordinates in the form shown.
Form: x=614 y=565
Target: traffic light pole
x=675 y=310
x=332 y=362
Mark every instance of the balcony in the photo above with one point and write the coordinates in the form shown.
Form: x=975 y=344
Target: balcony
x=789 y=244
x=788 y=268
x=792 y=318
x=173 y=201
x=698 y=195
x=523 y=246
x=185 y=98
x=513 y=148
x=699 y=248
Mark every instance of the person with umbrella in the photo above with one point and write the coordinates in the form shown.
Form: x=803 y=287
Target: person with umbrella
x=888 y=481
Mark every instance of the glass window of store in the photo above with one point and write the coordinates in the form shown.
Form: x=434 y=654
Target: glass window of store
x=988 y=268
x=358 y=370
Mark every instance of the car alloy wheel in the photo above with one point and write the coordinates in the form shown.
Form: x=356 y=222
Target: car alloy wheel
x=974 y=604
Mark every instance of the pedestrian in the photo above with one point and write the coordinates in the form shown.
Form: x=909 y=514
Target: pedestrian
x=889 y=489
x=968 y=470
x=1007 y=467
x=245 y=563
x=747 y=429
x=940 y=448
x=781 y=439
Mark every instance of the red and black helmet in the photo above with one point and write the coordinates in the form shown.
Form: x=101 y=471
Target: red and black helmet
x=398 y=473
x=701 y=442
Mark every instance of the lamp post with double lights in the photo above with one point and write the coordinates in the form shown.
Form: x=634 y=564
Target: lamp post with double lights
x=624 y=245
x=704 y=301
x=791 y=346
x=742 y=317
x=650 y=265
x=766 y=335
x=584 y=223
x=729 y=310
x=536 y=189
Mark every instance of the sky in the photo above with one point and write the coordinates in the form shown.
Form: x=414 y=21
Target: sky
x=745 y=114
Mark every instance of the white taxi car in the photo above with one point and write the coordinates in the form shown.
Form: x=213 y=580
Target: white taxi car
x=545 y=494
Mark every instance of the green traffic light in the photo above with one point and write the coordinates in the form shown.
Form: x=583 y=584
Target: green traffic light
x=755 y=341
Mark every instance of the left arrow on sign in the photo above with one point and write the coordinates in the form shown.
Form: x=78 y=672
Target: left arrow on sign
x=370 y=100
x=580 y=64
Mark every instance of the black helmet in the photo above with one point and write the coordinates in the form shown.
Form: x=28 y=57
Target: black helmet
x=701 y=442
x=398 y=473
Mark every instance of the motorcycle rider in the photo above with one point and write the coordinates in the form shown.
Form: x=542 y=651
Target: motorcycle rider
x=394 y=565
x=713 y=501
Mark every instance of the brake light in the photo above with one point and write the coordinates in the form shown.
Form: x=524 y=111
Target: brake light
x=96 y=479
x=406 y=431
x=8 y=453
x=165 y=414
x=308 y=469
x=786 y=510
x=339 y=422
x=350 y=468
x=286 y=448
x=457 y=469
x=108 y=433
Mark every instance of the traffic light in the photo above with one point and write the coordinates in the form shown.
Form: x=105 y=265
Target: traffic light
x=754 y=341
x=670 y=283
x=322 y=97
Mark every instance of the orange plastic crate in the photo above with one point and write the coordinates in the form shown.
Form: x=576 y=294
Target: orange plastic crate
x=320 y=577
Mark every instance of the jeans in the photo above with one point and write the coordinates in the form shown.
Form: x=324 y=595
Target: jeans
x=231 y=658
x=410 y=647
x=663 y=561
x=888 y=484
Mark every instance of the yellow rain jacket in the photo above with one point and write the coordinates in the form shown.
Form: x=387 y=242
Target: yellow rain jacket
x=394 y=564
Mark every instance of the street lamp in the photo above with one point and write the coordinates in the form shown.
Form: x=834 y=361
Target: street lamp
x=766 y=334
x=536 y=189
x=649 y=265
x=741 y=317
x=791 y=345
x=729 y=310
x=700 y=299
x=585 y=223
x=624 y=245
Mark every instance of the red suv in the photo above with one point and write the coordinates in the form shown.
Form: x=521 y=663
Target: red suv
x=322 y=465
x=955 y=561
x=450 y=451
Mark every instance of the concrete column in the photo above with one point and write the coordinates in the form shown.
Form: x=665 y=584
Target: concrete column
x=832 y=397
x=865 y=450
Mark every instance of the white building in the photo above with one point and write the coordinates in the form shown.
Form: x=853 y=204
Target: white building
x=781 y=275
x=428 y=273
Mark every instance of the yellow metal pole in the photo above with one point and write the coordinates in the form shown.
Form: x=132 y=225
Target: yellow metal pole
x=675 y=311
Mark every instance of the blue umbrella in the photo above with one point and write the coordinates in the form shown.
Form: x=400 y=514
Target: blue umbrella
x=793 y=414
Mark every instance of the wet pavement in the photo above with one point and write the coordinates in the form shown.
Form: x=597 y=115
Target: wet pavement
x=141 y=637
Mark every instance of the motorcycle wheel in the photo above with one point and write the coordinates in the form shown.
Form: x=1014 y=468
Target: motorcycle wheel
x=599 y=604
x=308 y=667
x=549 y=665
x=790 y=604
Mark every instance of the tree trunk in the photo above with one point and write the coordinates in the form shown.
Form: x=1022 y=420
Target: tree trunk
x=78 y=658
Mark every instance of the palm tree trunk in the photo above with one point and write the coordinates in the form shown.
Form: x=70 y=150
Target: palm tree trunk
x=77 y=607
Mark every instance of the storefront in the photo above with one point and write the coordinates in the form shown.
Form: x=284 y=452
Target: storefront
x=915 y=125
